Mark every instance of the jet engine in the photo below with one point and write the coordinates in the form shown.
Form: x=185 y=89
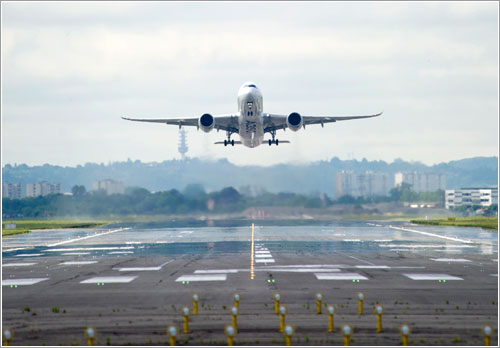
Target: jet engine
x=294 y=121
x=206 y=122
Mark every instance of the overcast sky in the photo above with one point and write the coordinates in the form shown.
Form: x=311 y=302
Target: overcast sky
x=70 y=70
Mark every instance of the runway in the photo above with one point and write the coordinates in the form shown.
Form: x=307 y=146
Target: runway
x=131 y=282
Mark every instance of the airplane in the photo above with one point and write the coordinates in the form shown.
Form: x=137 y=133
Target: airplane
x=251 y=122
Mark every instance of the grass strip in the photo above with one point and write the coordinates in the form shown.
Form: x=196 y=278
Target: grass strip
x=490 y=223
x=26 y=226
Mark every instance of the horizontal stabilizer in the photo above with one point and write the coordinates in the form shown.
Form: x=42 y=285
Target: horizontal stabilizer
x=280 y=142
x=221 y=142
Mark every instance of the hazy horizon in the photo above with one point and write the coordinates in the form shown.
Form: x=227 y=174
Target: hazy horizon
x=70 y=70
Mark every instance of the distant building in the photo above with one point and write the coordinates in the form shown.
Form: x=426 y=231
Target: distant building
x=421 y=182
x=12 y=190
x=110 y=186
x=367 y=184
x=471 y=196
x=43 y=188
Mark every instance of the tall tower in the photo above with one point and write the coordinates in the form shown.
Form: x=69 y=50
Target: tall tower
x=183 y=148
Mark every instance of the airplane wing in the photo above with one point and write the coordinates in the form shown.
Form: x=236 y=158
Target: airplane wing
x=275 y=122
x=224 y=122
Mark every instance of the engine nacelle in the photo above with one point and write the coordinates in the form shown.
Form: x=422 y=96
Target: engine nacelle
x=206 y=122
x=294 y=121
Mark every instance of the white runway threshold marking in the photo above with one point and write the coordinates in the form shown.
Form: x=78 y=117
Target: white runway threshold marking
x=297 y=270
x=138 y=269
x=339 y=276
x=28 y=255
x=431 y=276
x=215 y=271
x=202 y=278
x=75 y=253
x=372 y=267
x=92 y=248
x=77 y=263
x=263 y=256
x=450 y=260
x=28 y=281
x=87 y=237
x=24 y=264
x=264 y=260
x=106 y=280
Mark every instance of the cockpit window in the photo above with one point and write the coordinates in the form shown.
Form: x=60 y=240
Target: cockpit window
x=254 y=86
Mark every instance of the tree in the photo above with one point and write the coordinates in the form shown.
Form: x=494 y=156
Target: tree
x=78 y=190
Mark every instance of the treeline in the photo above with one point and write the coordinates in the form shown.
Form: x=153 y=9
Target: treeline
x=193 y=199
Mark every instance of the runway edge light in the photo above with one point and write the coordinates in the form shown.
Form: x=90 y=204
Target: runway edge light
x=289 y=332
x=331 y=313
x=173 y=333
x=234 y=313
x=361 y=297
x=195 y=298
x=91 y=334
x=185 y=314
x=487 y=331
x=7 y=336
x=319 y=297
x=230 y=332
x=379 y=310
x=347 y=331
x=277 y=298
x=405 y=330
x=283 y=312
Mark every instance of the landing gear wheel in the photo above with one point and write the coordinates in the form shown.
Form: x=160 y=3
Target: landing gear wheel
x=225 y=142
x=269 y=141
x=277 y=141
x=232 y=142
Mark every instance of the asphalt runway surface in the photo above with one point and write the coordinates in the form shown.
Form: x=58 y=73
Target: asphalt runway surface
x=130 y=283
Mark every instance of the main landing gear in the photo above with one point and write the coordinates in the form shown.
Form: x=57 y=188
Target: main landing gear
x=229 y=141
x=274 y=141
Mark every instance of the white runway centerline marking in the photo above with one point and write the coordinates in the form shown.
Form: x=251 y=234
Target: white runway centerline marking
x=450 y=260
x=432 y=235
x=106 y=280
x=87 y=237
x=28 y=281
x=75 y=253
x=28 y=255
x=120 y=252
x=76 y=263
x=24 y=264
x=339 y=276
x=431 y=276
x=202 y=277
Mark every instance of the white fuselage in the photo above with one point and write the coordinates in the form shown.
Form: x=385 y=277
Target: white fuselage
x=250 y=120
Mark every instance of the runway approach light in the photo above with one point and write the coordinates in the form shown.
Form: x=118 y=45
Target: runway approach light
x=283 y=312
x=196 y=298
x=230 y=333
x=277 y=298
x=173 y=332
x=487 y=332
x=236 y=298
x=347 y=332
x=379 y=310
x=91 y=334
x=7 y=336
x=185 y=314
x=331 y=312
x=360 y=297
x=319 y=297
x=405 y=331
x=234 y=313
x=289 y=332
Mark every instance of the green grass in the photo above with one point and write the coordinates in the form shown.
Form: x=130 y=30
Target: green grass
x=490 y=223
x=26 y=226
